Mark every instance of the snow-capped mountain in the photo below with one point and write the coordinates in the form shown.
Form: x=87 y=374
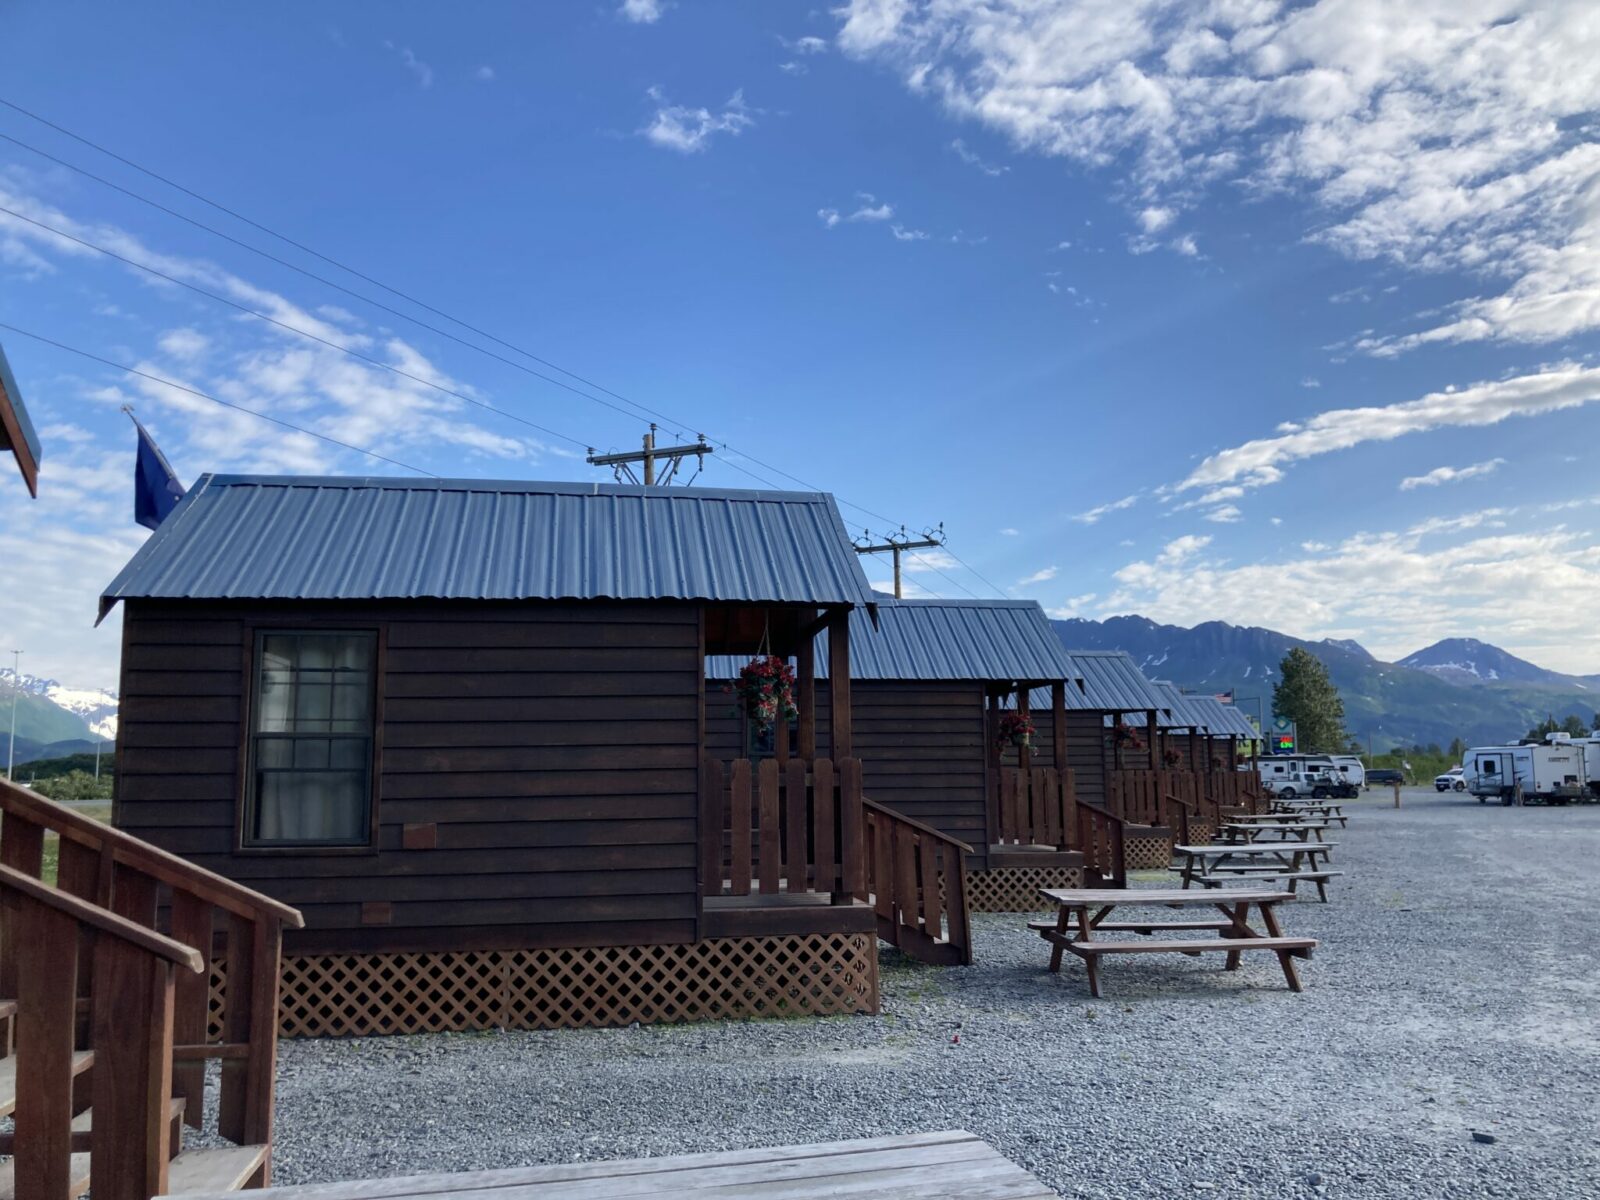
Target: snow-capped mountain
x=97 y=708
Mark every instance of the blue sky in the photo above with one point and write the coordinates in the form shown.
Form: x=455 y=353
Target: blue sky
x=1156 y=306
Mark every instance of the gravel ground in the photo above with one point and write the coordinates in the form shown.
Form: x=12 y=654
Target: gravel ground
x=1456 y=992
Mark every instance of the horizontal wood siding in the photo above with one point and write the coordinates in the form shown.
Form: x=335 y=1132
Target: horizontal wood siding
x=1086 y=735
x=921 y=747
x=553 y=746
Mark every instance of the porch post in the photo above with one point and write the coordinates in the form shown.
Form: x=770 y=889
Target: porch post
x=1058 y=723
x=1151 y=730
x=805 y=661
x=1024 y=753
x=843 y=745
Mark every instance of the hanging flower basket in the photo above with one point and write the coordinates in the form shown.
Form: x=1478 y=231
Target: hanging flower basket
x=765 y=688
x=1016 y=728
x=1126 y=737
x=1172 y=757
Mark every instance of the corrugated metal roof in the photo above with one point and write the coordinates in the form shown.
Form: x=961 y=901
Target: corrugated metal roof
x=1224 y=719
x=1113 y=682
x=1000 y=641
x=307 y=538
x=14 y=415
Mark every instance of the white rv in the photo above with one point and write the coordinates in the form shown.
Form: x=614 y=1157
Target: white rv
x=1591 y=763
x=1553 y=773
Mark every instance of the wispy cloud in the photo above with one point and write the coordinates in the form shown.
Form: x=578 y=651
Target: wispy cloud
x=642 y=12
x=902 y=234
x=1440 y=475
x=1260 y=461
x=1100 y=510
x=1042 y=575
x=421 y=70
x=973 y=159
x=690 y=130
x=485 y=74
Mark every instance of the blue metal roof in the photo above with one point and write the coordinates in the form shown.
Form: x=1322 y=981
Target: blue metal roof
x=996 y=641
x=1224 y=720
x=15 y=425
x=1112 y=682
x=306 y=538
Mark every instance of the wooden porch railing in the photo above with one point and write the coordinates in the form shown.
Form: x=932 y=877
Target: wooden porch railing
x=1036 y=807
x=1136 y=795
x=1100 y=838
x=794 y=827
x=121 y=876
x=917 y=882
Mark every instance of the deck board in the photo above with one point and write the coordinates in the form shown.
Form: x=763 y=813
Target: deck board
x=952 y=1165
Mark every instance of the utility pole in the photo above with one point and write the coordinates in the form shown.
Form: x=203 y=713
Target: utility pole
x=16 y=693
x=897 y=545
x=622 y=464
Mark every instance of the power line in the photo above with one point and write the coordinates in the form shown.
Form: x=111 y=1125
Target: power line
x=238 y=216
x=182 y=387
x=679 y=426
x=974 y=570
x=294 y=329
x=949 y=578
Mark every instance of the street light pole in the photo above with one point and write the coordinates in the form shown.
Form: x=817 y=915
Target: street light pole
x=16 y=685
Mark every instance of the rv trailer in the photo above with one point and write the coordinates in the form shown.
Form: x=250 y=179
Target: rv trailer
x=1552 y=773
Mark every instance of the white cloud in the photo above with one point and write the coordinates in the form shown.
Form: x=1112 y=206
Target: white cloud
x=1531 y=591
x=421 y=70
x=868 y=208
x=484 y=73
x=1440 y=136
x=808 y=45
x=929 y=560
x=792 y=68
x=1260 y=461
x=1009 y=532
x=690 y=130
x=1185 y=246
x=641 y=12
x=972 y=159
x=186 y=344
x=902 y=234
x=1311 y=381
x=1155 y=218
x=1227 y=514
x=1450 y=474
x=1073 y=606
x=1100 y=510
x=1043 y=575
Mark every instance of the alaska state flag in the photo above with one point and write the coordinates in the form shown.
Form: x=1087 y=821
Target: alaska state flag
x=156 y=490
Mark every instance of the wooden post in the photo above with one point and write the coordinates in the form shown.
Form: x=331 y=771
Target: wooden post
x=1397 y=794
x=805 y=663
x=839 y=684
x=1058 y=723
x=191 y=925
x=1150 y=736
x=1024 y=753
x=42 y=942
x=132 y=1078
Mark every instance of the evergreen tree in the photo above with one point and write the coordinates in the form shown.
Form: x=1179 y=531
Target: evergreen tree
x=1571 y=724
x=1458 y=748
x=1305 y=695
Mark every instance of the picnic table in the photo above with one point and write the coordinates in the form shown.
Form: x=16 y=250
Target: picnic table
x=1280 y=831
x=1082 y=913
x=1330 y=810
x=1213 y=865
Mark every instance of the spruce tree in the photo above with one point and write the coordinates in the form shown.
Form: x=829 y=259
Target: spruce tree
x=1305 y=695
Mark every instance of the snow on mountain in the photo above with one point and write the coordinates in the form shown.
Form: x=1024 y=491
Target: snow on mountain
x=97 y=707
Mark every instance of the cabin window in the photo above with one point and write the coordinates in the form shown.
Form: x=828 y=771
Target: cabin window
x=311 y=739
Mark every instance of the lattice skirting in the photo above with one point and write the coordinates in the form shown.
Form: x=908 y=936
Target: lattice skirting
x=1202 y=832
x=1146 y=853
x=1016 y=889
x=333 y=995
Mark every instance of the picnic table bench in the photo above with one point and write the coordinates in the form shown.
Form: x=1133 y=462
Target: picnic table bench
x=1329 y=810
x=1259 y=862
x=1272 y=832
x=938 y=1166
x=1081 y=913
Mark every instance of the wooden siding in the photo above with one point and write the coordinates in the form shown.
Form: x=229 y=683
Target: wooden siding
x=921 y=747
x=553 y=746
x=1086 y=751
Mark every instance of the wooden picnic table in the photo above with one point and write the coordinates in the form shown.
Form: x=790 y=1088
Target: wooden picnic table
x=1213 y=865
x=1330 y=810
x=934 y=1165
x=1081 y=914
x=1281 y=831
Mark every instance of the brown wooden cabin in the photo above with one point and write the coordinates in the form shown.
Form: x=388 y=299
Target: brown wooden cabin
x=461 y=726
x=16 y=430
x=929 y=684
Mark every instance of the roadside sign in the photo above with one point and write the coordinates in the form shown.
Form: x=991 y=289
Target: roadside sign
x=1284 y=740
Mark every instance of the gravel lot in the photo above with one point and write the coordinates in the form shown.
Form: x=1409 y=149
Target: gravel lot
x=1457 y=990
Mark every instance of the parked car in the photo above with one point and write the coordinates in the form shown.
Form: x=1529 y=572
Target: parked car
x=1452 y=780
x=1385 y=776
x=1319 y=786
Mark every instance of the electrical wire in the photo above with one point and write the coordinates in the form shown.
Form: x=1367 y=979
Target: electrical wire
x=183 y=387
x=673 y=422
x=294 y=329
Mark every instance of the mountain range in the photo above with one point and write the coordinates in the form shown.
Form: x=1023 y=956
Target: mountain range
x=53 y=719
x=1458 y=687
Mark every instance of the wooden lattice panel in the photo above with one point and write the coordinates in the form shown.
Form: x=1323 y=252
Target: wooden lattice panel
x=1016 y=889
x=334 y=995
x=1144 y=853
x=1201 y=832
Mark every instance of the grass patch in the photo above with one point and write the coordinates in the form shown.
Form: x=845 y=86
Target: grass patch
x=52 y=844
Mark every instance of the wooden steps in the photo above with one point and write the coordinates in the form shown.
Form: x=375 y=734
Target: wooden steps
x=226 y=1169
x=82 y=1060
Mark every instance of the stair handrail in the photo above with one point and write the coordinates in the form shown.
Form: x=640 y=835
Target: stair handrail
x=1088 y=813
x=130 y=1011
x=893 y=895
x=153 y=861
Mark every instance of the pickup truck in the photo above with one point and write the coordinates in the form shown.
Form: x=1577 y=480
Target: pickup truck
x=1319 y=787
x=1452 y=780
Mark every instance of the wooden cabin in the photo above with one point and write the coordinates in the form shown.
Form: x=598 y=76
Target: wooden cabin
x=929 y=684
x=461 y=726
x=16 y=431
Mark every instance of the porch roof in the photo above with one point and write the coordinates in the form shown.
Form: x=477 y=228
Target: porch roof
x=370 y=538
x=16 y=430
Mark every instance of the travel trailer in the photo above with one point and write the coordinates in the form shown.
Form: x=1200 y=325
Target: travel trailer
x=1340 y=775
x=1553 y=773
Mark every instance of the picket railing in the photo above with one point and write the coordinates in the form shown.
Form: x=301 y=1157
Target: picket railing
x=1035 y=807
x=917 y=884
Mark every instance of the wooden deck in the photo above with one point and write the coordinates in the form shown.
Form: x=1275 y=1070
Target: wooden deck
x=924 y=1166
